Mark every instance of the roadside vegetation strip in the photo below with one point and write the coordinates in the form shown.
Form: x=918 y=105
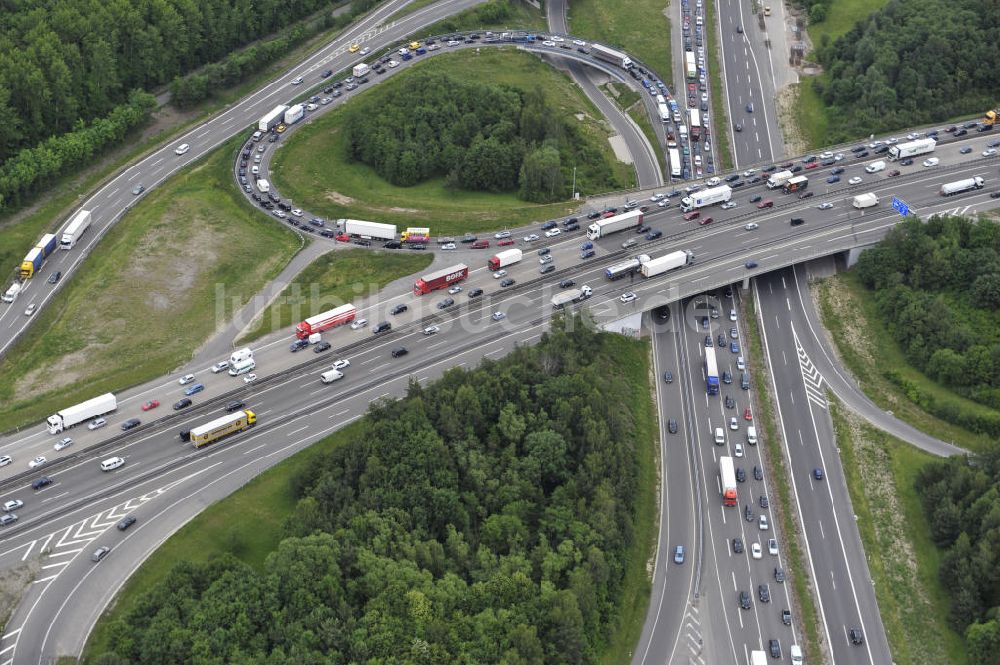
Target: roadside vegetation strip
x=638 y=27
x=494 y=15
x=162 y=281
x=590 y=519
x=902 y=559
x=333 y=279
x=640 y=116
x=719 y=121
x=784 y=508
x=313 y=169
x=869 y=351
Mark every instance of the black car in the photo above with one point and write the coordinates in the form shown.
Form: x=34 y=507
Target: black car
x=796 y=168
x=708 y=341
x=398 y=309
x=755 y=198
x=39 y=483
x=741 y=475
x=779 y=575
x=857 y=149
x=131 y=423
x=672 y=426
x=775 y=648
x=594 y=215
x=806 y=195
x=722 y=340
x=744 y=600
x=764 y=593
x=796 y=221
x=327 y=73
x=475 y=293
x=401 y=351
x=363 y=243
x=668 y=376
x=737 y=546
x=385 y=326
x=862 y=155
x=995 y=195
x=748 y=513
x=298 y=344
x=881 y=150
x=54 y=277
x=857 y=637
x=126 y=522
x=570 y=221
x=730 y=402
x=732 y=178
x=468 y=239
x=392 y=244
x=182 y=404
x=321 y=347
x=573 y=227
x=506 y=282
x=566 y=283
x=907 y=162
x=447 y=302
x=828 y=162
x=327 y=233
x=653 y=235
x=551 y=224
x=757 y=473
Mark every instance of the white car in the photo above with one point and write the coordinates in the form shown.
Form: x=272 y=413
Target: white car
x=365 y=51
x=990 y=152
x=181 y=149
x=532 y=238
x=627 y=297
x=552 y=233
x=358 y=324
x=64 y=444
x=455 y=289
x=738 y=448
x=392 y=64
x=548 y=42
x=932 y=161
x=839 y=156
x=311 y=107
x=579 y=42
x=749 y=172
x=825 y=155
x=662 y=203
x=752 y=226
x=297 y=212
x=734 y=424
x=13 y=504
x=432 y=330
x=97 y=423
x=186 y=379
x=5 y=460
x=732 y=315
x=325 y=101
x=824 y=206
x=728 y=204
x=497 y=316
x=341 y=363
x=37 y=462
x=762 y=523
x=546 y=259
x=297 y=80
x=448 y=245
x=500 y=235
x=712 y=182
x=499 y=273
x=855 y=180
x=30 y=310
x=741 y=364
x=453 y=42
x=772 y=546
x=557 y=38
x=250 y=378
x=655 y=197
x=755 y=550
x=220 y=367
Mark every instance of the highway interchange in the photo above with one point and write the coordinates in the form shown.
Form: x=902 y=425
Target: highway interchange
x=165 y=482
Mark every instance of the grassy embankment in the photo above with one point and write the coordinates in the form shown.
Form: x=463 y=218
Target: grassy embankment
x=867 y=348
x=334 y=279
x=902 y=558
x=768 y=435
x=313 y=167
x=720 y=122
x=248 y=524
x=163 y=280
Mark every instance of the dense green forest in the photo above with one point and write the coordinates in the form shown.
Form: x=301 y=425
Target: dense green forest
x=912 y=62
x=483 y=519
x=480 y=136
x=962 y=499
x=937 y=285
x=73 y=73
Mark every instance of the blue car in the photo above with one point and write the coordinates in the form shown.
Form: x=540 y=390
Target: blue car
x=832 y=179
x=734 y=347
x=679 y=554
x=587 y=254
x=587 y=245
x=196 y=388
x=838 y=170
x=818 y=473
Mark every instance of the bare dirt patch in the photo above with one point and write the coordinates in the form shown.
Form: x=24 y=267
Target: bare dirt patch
x=339 y=199
x=786 y=102
x=13 y=582
x=412 y=211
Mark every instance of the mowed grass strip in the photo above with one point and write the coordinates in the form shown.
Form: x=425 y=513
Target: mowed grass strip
x=638 y=27
x=867 y=348
x=313 y=168
x=164 y=279
x=334 y=279
x=902 y=559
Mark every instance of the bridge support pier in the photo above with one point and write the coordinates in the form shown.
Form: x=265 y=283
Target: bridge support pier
x=745 y=285
x=852 y=255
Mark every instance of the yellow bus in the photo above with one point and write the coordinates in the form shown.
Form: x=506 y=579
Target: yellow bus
x=220 y=427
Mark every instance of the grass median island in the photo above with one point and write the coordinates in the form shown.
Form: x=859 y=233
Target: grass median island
x=334 y=279
x=903 y=561
x=638 y=27
x=313 y=168
x=163 y=280
x=519 y=531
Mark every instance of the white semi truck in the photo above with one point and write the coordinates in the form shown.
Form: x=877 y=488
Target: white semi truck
x=706 y=197
x=356 y=227
x=779 y=179
x=911 y=149
x=564 y=298
x=959 y=186
x=74 y=415
x=75 y=229
x=666 y=263
x=603 y=227
x=272 y=119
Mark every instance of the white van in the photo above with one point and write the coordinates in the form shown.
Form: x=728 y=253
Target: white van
x=720 y=436
x=331 y=376
x=752 y=435
x=240 y=355
x=796 y=653
x=875 y=167
x=112 y=463
x=242 y=367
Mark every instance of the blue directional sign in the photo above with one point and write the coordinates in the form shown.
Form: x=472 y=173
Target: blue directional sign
x=900 y=206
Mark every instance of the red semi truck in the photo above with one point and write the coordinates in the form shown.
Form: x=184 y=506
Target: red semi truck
x=440 y=279
x=337 y=316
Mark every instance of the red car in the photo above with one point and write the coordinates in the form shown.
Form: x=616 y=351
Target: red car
x=747 y=415
x=694 y=214
x=343 y=237
x=811 y=165
x=893 y=173
x=707 y=220
x=766 y=204
x=508 y=241
x=608 y=214
x=151 y=404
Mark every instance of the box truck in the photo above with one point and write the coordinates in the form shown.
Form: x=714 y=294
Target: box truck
x=796 y=184
x=865 y=201
x=706 y=197
x=272 y=119
x=727 y=475
x=263 y=186
x=10 y=295
x=911 y=149
x=779 y=179
x=666 y=263
x=603 y=227
x=441 y=279
x=294 y=114
x=360 y=70
x=503 y=259
x=79 y=224
x=82 y=412
x=563 y=298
